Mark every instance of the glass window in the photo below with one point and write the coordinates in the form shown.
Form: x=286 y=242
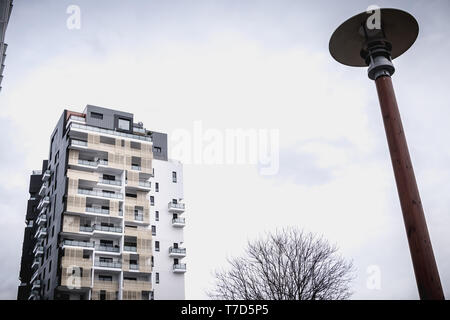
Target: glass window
x=124 y=124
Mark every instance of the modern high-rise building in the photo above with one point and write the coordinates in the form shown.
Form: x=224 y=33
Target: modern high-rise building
x=5 y=13
x=105 y=215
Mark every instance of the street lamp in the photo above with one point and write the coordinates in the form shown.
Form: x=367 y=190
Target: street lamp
x=373 y=39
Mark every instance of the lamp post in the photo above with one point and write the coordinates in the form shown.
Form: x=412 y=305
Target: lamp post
x=373 y=39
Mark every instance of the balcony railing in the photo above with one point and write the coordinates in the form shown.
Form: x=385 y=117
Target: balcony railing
x=77 y=118
x=134 y=266
x=74 y=243
x=177 y=251
x=41 y=232
x=100 y=194
x=38 y=249
x=36 y=262
x=180 y=267
x=86 y=229
x=179 y=222
x=107 y=248
x=145 y=184
x=129 y=248
x=88 y=163
x=110 y=182
x=43 y=189
x=97 y=210
x=176 y=206
x=47 y=174
x=135 y=167
x=111 y=132
x=43 y=203
x=36 y=285
x=108 y=229
x=140 y=130
x=81 y=143
x=106 y=264
x=41 y=219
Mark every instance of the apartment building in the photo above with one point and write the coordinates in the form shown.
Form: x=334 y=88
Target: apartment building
x=106 y=213
x=5 y=13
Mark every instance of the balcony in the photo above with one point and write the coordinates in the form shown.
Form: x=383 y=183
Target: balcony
x=78 y=143
x=136 y=167
x=107 y=229
x=97 y=210
x=77 y=118
x=110 y=182
x=136 y=285
x=179 y=268
x=47 y=174
x=38 y=249
x=179 y=222
x=106 y=264
x=36 y=285
x=107 y=249
x=111 y=132
x=88 y=163
x=73 y=243
x=86 y=229
x=41 y=233
x=99 y=193
x=36 y=262
x=176 y=207
x=134 y=266
x=42 y=219
x=43 y=203
x=43 y=189
x=130 y=248
x=145 y=184
x=177 y=252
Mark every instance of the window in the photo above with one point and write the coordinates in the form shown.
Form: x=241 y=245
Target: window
x=157 y=215
x=157 y=277
x=124 y=124
x=50 y=266
x=102 y=294
x=157 y=149
x=152 y=200
x=97 y=115
x=153 y=262
x=156 y=245
x=157 y=187
x=154 y=230
x=174 y=176
x=53 y=231
x=104 y=278
x=48 y=284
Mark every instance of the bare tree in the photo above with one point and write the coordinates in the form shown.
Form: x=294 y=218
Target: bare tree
x=288 y=265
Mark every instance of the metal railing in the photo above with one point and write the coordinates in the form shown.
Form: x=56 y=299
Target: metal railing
x=179 y=220
x=134 y=266
x=145 y=184
x=130 y=248
x=108 y=229
x=107 y=248
x=134 y=167
x=105 y=264
x=100 y=194
x=77 y=118
x=110 y=182
x=177 y=250
x=111 y=132
x=179 y=266
x=86 y=229
x=176 y=206
x=79 y=143
x=97 y=210
x=75 y=243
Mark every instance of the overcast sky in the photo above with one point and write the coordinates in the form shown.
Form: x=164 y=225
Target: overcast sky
x=240 y=64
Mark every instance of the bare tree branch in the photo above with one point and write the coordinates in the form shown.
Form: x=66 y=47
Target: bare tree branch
x=286 y=265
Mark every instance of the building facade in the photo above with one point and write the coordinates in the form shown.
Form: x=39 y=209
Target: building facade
x=105 y=216
x=5 y=13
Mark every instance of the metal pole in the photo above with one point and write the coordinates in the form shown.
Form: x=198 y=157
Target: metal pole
x=424 y=263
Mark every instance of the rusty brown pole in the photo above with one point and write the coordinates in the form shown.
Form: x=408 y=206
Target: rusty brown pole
x=424 y=263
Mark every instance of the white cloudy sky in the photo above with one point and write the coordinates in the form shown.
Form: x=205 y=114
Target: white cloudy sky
x=240 y=64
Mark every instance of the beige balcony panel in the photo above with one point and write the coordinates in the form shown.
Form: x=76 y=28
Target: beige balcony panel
x=145 y=264
x=131 y=295
x=132 y=178
x=114 y=208
x=138 y=285
x=125 y=261
x=139 y=232
x=144 y=246
x=71 y=223
x=72 y=186
x=74 y=155
x=106 y=285
x=76 y=175
x=76 y=203
x=109 y=295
